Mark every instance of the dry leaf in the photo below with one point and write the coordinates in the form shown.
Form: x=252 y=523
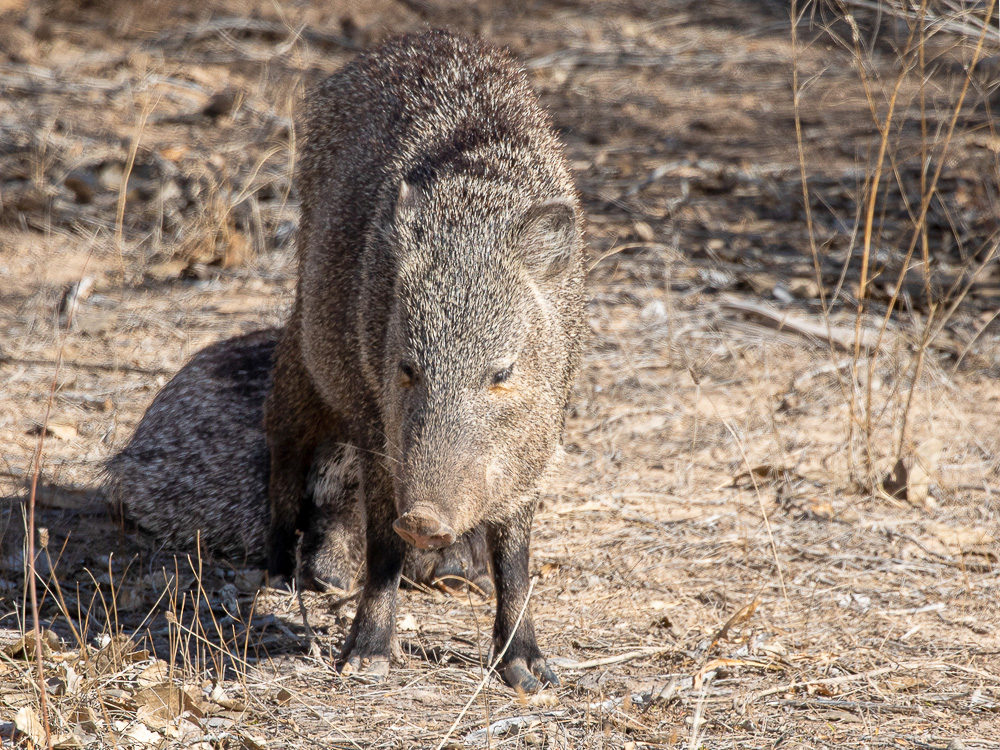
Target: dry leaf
x=61 y=431
x=142 y=735
x=56 y=430
x=742 y=615
x=407 y=623
x=544 y=699
x=112 y=656
x=220 y=697
x=86 y=719
x=185 y=732
x=803 y=288
x=821 y=508
x=643 y=231
x=27 y=723
x=987 y=141
x=24 y=646
x=166 y=271
x=161 y=704
x=549 y=569
x=894 y=484
x=764 y=471
x=174 y=153
x=911 y=477
x=253 y=741
x=154 y=674
x=67 y=741
x=71 y=679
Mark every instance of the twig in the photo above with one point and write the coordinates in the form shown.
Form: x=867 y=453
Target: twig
x=123 y=186
x=32 y=572
x=504 y=725
x=846 y=705
x=310 y=634
x=697 y=718
x=606 y=660
x=598 y=59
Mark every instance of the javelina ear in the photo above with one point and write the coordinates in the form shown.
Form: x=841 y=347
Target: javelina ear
x=547 y=237
x=406 y=200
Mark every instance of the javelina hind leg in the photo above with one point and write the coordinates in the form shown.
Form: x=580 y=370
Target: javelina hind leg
x=368 y=648
x=522 y=665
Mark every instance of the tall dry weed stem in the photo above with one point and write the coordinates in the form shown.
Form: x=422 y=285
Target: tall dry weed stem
x=968 y=31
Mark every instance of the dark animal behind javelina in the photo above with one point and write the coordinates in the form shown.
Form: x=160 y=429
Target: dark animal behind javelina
x=196 y=469
x=438 y=320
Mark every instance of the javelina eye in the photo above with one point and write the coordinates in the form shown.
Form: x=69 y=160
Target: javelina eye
x=501 y=376
x=407 y=375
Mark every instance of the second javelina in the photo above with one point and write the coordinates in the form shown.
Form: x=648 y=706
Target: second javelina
x=195 y=472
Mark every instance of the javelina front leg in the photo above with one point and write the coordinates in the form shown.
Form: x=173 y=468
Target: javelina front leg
x=368 y=648
x=522 y=665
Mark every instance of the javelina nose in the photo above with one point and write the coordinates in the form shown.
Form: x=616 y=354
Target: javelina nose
x=423 y=529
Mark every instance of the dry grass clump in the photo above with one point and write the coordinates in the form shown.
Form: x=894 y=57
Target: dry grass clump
x=920 y=268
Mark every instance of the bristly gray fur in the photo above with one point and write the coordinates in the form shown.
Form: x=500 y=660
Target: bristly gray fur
x=196 y=469
x=438 y=320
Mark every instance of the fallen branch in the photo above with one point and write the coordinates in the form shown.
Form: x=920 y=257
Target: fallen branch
x=839 y=336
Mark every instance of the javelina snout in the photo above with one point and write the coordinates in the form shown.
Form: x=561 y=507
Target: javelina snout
x=423 y=528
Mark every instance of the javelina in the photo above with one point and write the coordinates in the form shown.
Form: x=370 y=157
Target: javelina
x=438 y=320
x=196 y=469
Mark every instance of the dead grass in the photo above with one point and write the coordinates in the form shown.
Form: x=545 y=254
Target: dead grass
x=718 y=563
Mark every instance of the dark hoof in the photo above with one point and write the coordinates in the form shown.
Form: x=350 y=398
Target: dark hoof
x=517 y=674
x=279 y=582
x=327 y=583
x=483 y=585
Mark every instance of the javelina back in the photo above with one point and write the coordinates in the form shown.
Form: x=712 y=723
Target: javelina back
x=437 y=323
x=196 y=469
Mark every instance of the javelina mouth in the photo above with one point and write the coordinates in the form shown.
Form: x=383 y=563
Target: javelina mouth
x=424 y=530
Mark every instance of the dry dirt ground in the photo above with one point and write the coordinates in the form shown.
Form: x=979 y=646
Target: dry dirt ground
x=716 y=564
